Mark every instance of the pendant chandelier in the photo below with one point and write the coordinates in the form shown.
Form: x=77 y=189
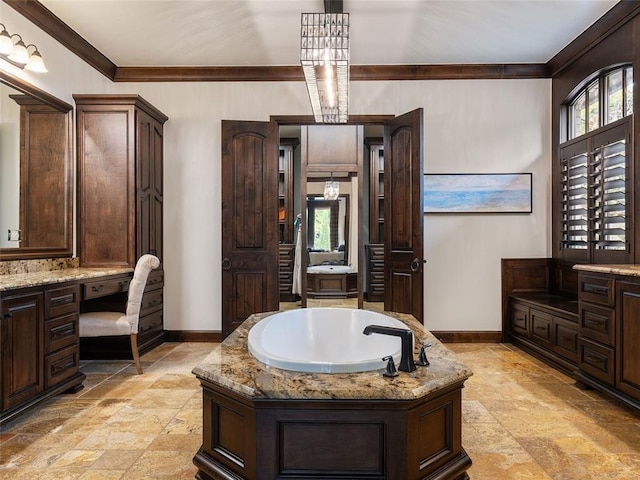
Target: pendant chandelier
x=331 y=189
x=324 y=55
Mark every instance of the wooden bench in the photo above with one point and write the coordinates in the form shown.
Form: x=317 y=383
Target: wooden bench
x=540 y=309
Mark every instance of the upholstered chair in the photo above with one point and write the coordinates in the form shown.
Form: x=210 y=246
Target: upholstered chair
x=108 y=324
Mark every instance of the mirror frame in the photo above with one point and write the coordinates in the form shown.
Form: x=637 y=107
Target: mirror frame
x=66 y=250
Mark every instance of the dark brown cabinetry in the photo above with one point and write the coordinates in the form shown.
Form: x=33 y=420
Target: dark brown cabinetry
x=287 y=252
x=375 y=272
x=120 y=191
x=374 y=251
x=610 y=335
x=40 y=348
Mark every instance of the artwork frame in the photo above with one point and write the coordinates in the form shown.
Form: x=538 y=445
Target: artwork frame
x=478 y=193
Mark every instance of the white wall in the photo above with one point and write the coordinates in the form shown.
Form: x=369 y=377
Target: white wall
x=487 y=126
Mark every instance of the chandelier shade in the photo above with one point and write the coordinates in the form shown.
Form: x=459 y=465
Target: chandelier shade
x=324 y=55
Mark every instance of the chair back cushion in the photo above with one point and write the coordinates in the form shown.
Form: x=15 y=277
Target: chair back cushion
x=145 y=264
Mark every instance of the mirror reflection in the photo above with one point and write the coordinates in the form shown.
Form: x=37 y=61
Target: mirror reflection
x=327 y=225
x=35 y=175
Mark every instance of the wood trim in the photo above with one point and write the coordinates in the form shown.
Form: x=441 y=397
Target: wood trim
x=27 y=88
x=611 y=21
x=358 y=73
x=211 y=336
x=468 y=337
x=43 y=18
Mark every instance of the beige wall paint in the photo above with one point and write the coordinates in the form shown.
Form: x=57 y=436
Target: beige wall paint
x=470 y=126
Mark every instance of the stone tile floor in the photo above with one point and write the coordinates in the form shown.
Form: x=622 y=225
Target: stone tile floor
x=521 y=420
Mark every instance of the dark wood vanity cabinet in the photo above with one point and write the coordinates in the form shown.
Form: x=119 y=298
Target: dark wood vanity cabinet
x=40 y=346
x=609 y=356
x=120 y=192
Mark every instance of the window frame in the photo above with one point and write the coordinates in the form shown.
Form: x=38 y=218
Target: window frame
x=583 y=88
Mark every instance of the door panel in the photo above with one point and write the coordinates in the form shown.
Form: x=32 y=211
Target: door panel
x=249 y=221
x=403 y=185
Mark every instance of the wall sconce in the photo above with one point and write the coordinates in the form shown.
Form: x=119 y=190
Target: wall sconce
x=18 y=53
x=324 y=55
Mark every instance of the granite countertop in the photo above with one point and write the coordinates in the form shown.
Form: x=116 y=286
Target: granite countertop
x=231 y=366
x=34 y=279
x=632 y=270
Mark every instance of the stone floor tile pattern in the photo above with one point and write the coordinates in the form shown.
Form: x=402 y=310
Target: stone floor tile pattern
x=521 y=420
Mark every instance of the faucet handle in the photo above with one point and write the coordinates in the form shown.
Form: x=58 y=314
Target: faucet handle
x=423 y=361
x=391 y=367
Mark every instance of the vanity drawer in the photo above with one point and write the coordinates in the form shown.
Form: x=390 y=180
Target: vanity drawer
x=100 y=288
x=150 y=302
x=61 y=365
x=155 y=280
x=60 y=301
x=60 y=332
x=596 y=360
x=149 y=324
x=597 y=323
x=595 y=289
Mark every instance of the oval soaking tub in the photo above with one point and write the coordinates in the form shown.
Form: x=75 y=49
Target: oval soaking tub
x=324 y=340
x=329 y=269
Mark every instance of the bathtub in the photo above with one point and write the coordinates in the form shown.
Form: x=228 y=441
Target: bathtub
x=331 y=269
x=324 y=340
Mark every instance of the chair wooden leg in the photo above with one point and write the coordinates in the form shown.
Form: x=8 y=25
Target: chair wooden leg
x=134 y=351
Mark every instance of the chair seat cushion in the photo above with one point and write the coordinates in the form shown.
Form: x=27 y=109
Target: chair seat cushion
x=104 y=324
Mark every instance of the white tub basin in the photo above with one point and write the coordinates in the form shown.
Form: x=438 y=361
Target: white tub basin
x=324 y=340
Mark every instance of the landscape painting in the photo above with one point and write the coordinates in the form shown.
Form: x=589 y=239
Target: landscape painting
x=478 y=193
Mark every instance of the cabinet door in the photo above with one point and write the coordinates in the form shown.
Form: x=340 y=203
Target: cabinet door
x=21 y=329
x=144 y=182
x=628 y=339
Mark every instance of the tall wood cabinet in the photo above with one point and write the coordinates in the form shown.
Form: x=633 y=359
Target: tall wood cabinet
x=120 y=191
x=375 y=249
x=286 y=217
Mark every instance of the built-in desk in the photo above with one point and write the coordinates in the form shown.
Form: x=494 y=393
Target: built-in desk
x=39 y=334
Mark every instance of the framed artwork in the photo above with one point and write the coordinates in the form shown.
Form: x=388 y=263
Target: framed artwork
x=478 y=193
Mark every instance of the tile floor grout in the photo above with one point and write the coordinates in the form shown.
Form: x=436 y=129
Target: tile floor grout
x=521 y=420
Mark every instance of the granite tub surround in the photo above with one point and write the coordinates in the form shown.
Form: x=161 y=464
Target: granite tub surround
x=48 y=277
x=261 y=422
x=232 y=366
x=631 y=270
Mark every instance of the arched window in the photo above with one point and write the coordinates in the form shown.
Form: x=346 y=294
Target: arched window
x=595 y=189
x=605 y=100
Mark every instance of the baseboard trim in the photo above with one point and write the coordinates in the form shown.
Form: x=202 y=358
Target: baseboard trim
x=210 y=336
x=468 y=337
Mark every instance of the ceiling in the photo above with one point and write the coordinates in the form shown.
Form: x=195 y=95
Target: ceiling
x=383 y=32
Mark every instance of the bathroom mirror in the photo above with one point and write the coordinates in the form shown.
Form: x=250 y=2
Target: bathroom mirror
x=327 y=230
x=36 y=172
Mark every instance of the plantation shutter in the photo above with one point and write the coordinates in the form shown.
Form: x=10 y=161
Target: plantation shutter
x=574 y=200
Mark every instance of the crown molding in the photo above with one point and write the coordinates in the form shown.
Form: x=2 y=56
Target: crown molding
x=39 y=15
x=615 y=18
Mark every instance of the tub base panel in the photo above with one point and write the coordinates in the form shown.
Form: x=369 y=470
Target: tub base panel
x=332 y=285
x=355 y=439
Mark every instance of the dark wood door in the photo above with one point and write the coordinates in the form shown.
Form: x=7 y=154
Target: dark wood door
x=403 y=214
x=249 y=221
x=21 y=353
x=628 y=341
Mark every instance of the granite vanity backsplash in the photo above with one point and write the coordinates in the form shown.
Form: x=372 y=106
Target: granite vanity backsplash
x=11 y=267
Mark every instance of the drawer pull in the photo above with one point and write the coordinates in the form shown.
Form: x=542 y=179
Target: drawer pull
x=63 y=300
x=594 y=322
x=542 y=328
x=62 y=331
x=123 y=284
x=599 y=289
x=566 y=339
x=594 y=359
x=97 y=288
x=63 y=364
